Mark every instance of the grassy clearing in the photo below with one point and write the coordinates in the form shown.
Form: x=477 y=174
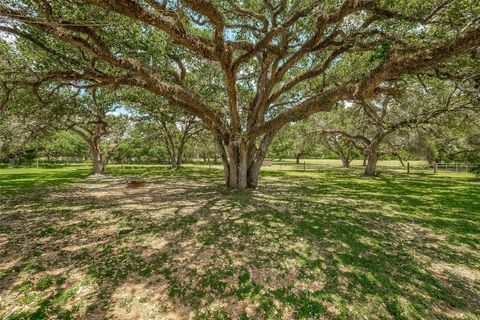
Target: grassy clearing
x=21 y=180
x=356 y=163
x=316 y=244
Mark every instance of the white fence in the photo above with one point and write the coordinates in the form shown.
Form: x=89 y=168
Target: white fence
x=453 y=167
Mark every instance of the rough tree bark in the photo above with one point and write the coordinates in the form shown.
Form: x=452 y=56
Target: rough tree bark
x=242 y=160
x=345 y=162
x=372 y=152
x=371 y=167
x=97 y=158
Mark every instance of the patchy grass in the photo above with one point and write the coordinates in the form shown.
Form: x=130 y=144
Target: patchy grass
x=325 y=244
x=13 y=180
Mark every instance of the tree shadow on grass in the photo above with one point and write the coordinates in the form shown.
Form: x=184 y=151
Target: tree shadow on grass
x=332 y=245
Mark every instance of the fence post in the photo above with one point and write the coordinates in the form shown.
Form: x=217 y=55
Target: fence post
x=408 y=167
x=434 y=167
x=456 y=167
x=303 y=165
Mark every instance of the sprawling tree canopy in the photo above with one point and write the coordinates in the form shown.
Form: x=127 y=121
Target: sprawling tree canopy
x=257 y=65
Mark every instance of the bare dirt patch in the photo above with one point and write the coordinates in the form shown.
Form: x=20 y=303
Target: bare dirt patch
x=182 y=248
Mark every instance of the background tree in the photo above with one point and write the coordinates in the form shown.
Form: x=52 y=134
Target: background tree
x=342 y=147
x=422 y=144
x=175 y=128
x=303 y=143
x=203 y=147
x=94 y=121
x=377 y=121
x=142 y=144
x=336 y=143
x=61 y=145
x=459 y=140
x=275 y=62
x=28 y=114
x=294 y=141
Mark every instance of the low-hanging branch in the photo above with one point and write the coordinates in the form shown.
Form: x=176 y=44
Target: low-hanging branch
x=291 y=52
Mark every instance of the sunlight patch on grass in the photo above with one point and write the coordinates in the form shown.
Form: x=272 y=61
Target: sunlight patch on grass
x=319 y=244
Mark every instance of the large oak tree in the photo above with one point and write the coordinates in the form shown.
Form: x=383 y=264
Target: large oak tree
x=263 y=63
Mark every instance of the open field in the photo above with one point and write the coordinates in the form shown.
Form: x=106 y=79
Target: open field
x=321 y=244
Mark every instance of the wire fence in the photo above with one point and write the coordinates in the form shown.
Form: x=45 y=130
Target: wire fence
x=407 y=166
x=308 y=165
x=453 y=167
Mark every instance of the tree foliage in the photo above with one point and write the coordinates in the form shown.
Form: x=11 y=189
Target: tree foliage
x=245 y=69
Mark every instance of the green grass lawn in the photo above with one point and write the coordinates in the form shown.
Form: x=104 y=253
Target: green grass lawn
x=320 y=244
x=355 y=163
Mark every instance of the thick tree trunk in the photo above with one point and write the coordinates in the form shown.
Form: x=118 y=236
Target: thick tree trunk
x=237 y=166
x=346 y=162
x=364 y=161
x=98 y=165
x=180 y=152
x=99 y=160
x=172 y=157
x=93 y=140
x=173 y=161
x=297 y=158
x=372 y=154
x=371 y=168
x=175 y=153
x=242 y=161
x=176 y=161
